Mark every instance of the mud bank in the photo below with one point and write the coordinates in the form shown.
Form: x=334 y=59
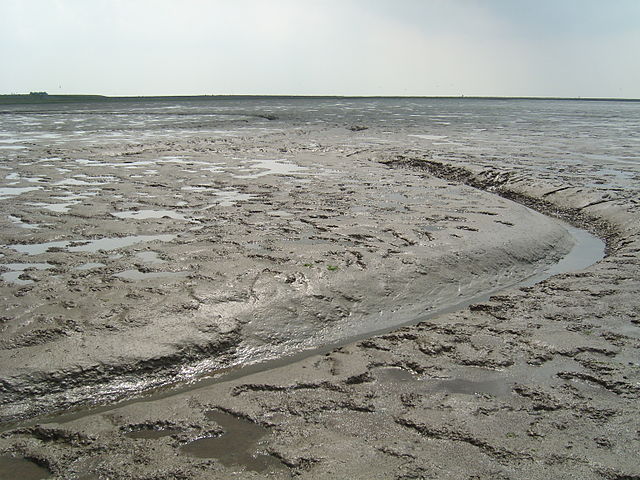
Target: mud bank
x=146 y=265
x=536 y=382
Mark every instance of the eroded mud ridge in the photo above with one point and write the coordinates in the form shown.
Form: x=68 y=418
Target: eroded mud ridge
x=175 y=258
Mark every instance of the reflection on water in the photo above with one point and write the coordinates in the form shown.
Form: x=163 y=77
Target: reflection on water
x=18 y=221
x=17 y=269
x=6 y=192
x=105 y=244
x=230 y=198
x=238 y=445
x=38 y=248
x=398 y=376
x=222 y=198
x=119 y=242
x=149 y=257
x=588 y=250
x=263 y=167
x=21 y=468
x=146 y=214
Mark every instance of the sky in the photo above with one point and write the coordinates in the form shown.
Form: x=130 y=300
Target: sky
x=564 y=48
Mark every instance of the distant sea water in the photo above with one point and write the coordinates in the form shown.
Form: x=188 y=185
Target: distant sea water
x=555 y=137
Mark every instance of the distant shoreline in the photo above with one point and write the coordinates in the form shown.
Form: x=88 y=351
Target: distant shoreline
x=29 y=99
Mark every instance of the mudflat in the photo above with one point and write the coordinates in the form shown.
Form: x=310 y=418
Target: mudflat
x=133 y=269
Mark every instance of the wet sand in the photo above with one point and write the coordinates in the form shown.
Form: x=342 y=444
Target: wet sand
x=158 y=262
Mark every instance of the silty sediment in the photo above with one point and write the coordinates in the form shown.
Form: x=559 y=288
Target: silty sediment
x=537 y=382
x=235 y=261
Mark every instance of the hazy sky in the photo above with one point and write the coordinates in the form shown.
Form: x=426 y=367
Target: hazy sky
x=588 y=48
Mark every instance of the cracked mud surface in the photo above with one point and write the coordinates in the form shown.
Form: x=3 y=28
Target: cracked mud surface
x=536 y=382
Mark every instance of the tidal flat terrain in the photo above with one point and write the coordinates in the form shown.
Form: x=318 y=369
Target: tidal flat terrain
x=320 y=288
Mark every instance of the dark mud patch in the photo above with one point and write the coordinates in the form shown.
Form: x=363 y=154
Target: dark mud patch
x=152 y=432
x=21 y=468
x=238 y=445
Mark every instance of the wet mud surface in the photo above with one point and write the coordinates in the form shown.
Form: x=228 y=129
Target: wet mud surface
x=212 y=258
x=267 y=244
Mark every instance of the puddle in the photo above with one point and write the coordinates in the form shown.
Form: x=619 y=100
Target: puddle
x=99 y=179
x=144 y=214
x=18 y=221
x=272 y=167
x=26 y=266
x=138 y=275
x=237 y=446
x=149 y=257
x=213 y=169
x=175 y=158
x=55 y=207
x=76 y=182
x=230 y=198
x=395 y=375
x=21 y=468
x=587 y=248
x=16 y=176
x=225 y=198
x=455 y=385
x=6 y=192
x=124 y=164
x=153 y=433
x=119 y=242
x=38 y=248
x=13 y=147
x=74 y=197
x=18 y=269
x=106 y=244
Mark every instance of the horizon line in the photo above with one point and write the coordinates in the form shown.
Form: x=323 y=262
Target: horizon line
x=44 y=95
